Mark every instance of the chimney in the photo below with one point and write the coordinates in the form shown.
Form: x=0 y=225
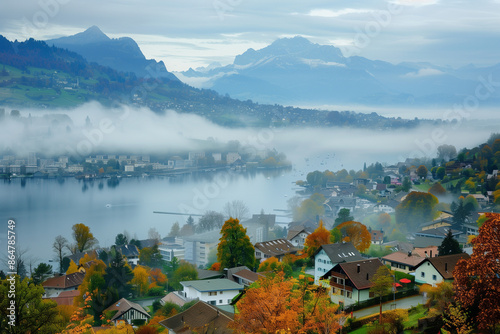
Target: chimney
x=225 y=272
x=446 y=267
x=367 y=276
x=409 y=253
x=431 y=252
x=426 y=255
x=359 y=268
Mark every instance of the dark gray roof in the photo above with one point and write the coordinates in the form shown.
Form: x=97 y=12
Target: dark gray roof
x=128 y=250
x=340 y=252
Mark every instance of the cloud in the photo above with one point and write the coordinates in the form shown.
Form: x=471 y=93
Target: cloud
x=423 y=72
x=337 y=13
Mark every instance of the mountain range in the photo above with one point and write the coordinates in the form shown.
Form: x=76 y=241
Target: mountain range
x=295 y=71
x=122 y=54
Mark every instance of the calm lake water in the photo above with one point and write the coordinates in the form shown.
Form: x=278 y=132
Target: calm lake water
x=45 y=208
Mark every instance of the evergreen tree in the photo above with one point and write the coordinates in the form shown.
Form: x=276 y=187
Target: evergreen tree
x=344 y=215
x=235 y=248
x=449 y=245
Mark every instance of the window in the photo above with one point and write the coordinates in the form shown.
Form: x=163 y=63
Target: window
x=371 y=295
x=220 y=301
x=220 y=293
x=422 y=274
x=349 y=294
x=212 y=293
x=434 y=277
x=212 y=302
x=229 y=301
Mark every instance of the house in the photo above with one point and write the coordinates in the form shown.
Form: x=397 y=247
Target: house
x=127 y=311
x=434 y=236
x=219 y=291
x=334 y=204
x=173 y=297
x=327 y=256
x=403 y=261
x=297 y=235
x=242 y=275
x=199 y=318
x=377 y=237
x=131 y=252
x=387 y=207
x=350 y=281
x=66 y=297
x=437 y=269
x=275 y=248
x=56 y=285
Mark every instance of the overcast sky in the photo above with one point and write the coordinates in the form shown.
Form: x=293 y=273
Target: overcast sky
x=192 y=33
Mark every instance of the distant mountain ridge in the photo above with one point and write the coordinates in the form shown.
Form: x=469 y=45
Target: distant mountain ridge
x=296 y=71
x=122 y=54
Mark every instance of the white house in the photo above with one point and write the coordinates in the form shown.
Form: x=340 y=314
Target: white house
x=327 y=256
x=438 y=269
x=297 y=236
x=128 y=311
x=350 y=282
x=219 y=291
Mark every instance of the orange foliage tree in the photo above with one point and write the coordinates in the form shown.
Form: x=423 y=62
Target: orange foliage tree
x=215 y=266
x=158 y=277
x=279 y=305
x=320 y=236
x=267 y=308
x=357 y=234
x=476 y=284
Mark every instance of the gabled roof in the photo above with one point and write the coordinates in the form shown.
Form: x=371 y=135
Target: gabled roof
x=66 y=297
x=367 y=269
x=296 y=230
x=173 y=298
x=64 y=281
x=446 y=264
x=219 y=284
x=340 y=252
x=123 y=306
x=404 y=258
x=275 y=247
x=248 y=275
x=231 y=271
x=129 y=250
x=205 y=274
x=199 y=316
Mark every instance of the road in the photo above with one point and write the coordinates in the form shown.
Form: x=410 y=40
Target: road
x=403 y=303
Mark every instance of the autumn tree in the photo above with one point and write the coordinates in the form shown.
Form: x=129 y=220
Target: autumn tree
x=381 y=285
x=437 y=190
x=234 y=248
x=84 y=239
x=151 y=257
x=267 y=308
x=236 y=209
x=344 y=215
x=357 y=234
x=384 y=221
x=415 y=209
x=32 y=313
x=185 y=272
x=157 y=277
x=277 y=305
x=59 y=245
x=422 y=171
x=140 y=280
x=449 y=245
x=476 y=284
x=320 y=236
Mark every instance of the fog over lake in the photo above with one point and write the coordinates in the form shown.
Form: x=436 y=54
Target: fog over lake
x=44 y=209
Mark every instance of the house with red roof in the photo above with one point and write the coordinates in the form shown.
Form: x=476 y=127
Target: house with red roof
x=54 y=286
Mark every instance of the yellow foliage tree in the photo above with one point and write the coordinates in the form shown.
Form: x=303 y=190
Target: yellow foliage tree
x=140 y=280
x=73 y=268
x=320 y=236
